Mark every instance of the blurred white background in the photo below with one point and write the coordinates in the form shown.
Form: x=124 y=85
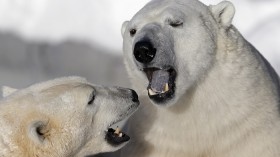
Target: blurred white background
x=44 y=39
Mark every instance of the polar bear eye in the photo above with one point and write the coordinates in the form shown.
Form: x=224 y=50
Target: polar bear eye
x=91 y=98
x=175 y=23
x=132 y=32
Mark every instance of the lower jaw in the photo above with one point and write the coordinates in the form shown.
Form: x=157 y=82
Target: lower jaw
x=163 y=98
x=114 y=139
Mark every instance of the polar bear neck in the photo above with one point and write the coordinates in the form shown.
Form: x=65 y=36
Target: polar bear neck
x=6 y=145
x=240 y=71
x=240 y=76
x=237 y=58
x=239 y=91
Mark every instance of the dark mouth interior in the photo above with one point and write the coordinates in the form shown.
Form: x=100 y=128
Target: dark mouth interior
x=116 y=137
x=161 y=86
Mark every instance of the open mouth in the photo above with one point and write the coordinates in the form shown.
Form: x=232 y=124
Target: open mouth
x=116 y=136
x=161 y=86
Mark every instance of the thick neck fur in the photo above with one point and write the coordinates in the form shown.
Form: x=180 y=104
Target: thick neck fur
x=228 y=110
x=7 y=147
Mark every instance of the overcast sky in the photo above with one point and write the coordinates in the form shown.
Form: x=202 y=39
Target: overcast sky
x=100 y=21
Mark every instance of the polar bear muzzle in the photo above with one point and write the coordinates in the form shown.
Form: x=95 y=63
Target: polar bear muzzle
x=153 y=54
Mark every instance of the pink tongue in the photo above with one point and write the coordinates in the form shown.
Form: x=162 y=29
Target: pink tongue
x=159 y=79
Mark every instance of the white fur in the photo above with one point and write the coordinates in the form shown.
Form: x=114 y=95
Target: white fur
x=60 y=109
x=227 y=98
x=6 y=90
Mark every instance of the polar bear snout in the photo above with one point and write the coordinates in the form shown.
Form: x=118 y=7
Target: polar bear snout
x=125 y=93
x=144 y=52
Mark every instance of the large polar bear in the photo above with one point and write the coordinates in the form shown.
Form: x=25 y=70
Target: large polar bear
x=206 y=91
x=65 y=117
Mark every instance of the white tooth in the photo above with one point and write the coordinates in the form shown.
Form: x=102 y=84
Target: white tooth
x=166 y=88
x=120 y=135
x=151 y=92
x=117 y=131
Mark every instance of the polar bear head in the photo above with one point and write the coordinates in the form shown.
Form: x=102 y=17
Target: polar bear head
x=169 y=45
x=63 y=117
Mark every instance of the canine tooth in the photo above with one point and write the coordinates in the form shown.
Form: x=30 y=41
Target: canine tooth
x=166 y=87
x=151 y=92
x=120 y=135
x=117 y=131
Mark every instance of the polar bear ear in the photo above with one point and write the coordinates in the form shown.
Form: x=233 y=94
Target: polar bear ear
x=38 y=130
x=223 y=13
x=124 y=25
x=6 y=91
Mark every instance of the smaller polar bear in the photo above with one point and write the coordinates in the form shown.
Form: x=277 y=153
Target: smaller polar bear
x=65 y=117
x=207 y=92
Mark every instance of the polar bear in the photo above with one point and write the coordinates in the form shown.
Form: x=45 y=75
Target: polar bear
x=205 y=90
x=65 y=117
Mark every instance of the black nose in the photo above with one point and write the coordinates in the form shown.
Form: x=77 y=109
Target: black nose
x=134 y=96
x=144 y=52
